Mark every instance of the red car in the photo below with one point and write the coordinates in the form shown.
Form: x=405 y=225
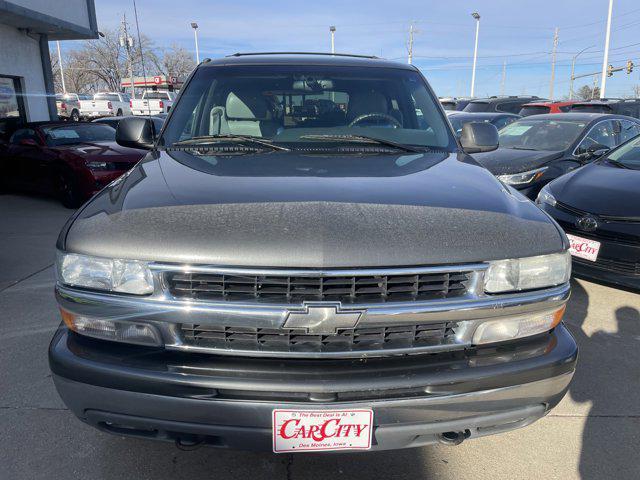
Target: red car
x=541 y=108
x=71 y=160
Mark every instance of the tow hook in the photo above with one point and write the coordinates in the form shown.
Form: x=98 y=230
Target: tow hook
x=453 y=438
x=188 y=444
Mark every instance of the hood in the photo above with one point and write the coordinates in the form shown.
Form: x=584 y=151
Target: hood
x=293 y=210
x=602 y=189
x=505 y=161
x=106 y=150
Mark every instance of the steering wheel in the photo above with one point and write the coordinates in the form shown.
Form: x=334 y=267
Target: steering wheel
x=392 y=121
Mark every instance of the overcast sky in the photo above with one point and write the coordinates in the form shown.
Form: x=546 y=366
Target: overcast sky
x=519 y=32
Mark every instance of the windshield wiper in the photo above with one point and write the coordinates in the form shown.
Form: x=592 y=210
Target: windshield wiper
x=360 y=139
x=214 y=139
x=617 y=163
x=523 y=148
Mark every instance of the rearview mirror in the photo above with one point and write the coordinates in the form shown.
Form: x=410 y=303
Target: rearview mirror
x=135 y=132
x=478 y=137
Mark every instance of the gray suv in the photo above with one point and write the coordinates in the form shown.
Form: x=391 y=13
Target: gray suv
x=308 y=259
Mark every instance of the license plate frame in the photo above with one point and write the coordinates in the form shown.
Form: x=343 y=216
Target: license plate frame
x=584 y=248
x=303 y=430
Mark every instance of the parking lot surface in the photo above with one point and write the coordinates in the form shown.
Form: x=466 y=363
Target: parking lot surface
x=593 y=434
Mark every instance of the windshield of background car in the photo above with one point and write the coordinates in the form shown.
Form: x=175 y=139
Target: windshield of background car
x=476 y=107
x=288 y=104
x=540 y=134
x=628 y=154
x=78 y=133
x=591 y=108
x=537 y=110
x=156 y=96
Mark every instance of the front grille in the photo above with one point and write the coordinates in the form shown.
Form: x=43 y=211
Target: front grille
x=297 y=340
x=297 y=289
x=625 y=267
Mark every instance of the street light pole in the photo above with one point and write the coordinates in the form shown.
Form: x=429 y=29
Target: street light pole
x=194 y=25
x=573 y=69
x=475 y=15
x=332 y=29
x=64 y=88
x=605 y=60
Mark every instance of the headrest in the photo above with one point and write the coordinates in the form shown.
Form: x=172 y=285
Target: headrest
x=247 y=106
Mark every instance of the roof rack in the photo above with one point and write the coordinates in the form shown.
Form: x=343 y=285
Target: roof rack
x=513 y=96
x=243 y=54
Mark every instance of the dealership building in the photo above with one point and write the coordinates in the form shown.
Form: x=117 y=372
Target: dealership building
x=26 y=27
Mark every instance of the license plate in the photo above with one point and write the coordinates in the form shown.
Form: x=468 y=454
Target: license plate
x=583 y=247
x=308 y=430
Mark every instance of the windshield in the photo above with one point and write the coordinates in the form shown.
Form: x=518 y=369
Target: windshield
x=106 y=96
x=533 y=134
x=156 y=95
x=300 y=104
x=591 y=108
x=476 y=107
x=72 y=134
x=537 y=110
x=627 y=155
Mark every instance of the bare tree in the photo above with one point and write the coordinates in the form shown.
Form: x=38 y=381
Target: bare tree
x=176 y=61
x=636 y=91
x=587 y=93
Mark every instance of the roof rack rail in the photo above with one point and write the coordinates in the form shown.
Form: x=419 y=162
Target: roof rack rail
x=243 y=54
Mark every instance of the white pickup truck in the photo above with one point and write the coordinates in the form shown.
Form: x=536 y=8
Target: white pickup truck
x=107 y=104
x=153 y=103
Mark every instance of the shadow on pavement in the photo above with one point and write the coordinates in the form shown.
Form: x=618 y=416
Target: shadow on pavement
x=607 y=376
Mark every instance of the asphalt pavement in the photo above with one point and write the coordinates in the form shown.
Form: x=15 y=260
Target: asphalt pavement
x=593 y=434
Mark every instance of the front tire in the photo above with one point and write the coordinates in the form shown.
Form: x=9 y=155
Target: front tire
x=68 y=190
x=75 y=116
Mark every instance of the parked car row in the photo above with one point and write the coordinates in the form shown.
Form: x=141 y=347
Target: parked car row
x=75 y=107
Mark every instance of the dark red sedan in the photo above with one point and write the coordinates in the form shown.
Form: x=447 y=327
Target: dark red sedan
x=71 y=160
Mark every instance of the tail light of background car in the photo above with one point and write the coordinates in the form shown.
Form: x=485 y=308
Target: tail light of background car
x=109 y=106
x=130 y=103
x=161 y=104
x=63 y=106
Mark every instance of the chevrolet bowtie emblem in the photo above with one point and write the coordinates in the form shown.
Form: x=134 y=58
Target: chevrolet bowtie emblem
x=322 y=319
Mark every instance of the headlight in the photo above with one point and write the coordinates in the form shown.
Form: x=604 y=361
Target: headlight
x=523 y=178
x=517 y=327
x=101 y=166
x=126 y=276
x=527 y=273
x=545 y=196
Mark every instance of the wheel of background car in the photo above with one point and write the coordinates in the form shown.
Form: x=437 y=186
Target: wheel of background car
x=67 y=190
x=381 y=116
x=75 y=116
x=119 y=113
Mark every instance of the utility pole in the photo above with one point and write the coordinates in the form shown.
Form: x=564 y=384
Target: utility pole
x=126 y=41
x=553 y=64
x=64 y=88
x=475 y=15
x=332 y=29
x=410 y=44
x=504 y=77
x=605 y=60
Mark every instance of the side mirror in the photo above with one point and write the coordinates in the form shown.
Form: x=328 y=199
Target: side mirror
x=135 y=132
x=28 y=142
x=597 y=150
x=478 y=137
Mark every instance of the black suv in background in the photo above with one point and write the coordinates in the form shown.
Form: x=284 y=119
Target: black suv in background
x=620 y=106
x=508 y=104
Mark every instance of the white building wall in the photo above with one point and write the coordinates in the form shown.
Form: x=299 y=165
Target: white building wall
x=20 y=57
